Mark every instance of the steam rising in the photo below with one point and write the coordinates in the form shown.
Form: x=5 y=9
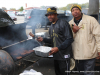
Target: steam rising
x=16 y=33
x=10 y=34
x=37 y=19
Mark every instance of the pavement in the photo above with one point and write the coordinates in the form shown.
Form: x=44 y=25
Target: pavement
x=20 y=19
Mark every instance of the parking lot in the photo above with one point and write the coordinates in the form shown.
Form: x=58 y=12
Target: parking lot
x=20 y=19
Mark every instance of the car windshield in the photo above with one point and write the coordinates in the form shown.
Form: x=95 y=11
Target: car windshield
x=28 y=12
x=11 y=14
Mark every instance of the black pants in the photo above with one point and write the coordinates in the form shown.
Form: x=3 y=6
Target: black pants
x=61 y=66
x=86 y=66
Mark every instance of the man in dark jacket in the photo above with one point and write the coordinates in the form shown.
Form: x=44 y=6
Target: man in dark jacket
x=61 y=38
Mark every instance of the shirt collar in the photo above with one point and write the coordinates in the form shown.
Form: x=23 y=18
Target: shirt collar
x=55 y=22
x=77 y=21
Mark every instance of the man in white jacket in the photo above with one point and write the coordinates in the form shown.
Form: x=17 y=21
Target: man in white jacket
x=86 y=45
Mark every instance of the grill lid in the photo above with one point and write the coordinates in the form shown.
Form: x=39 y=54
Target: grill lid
x=5 y=19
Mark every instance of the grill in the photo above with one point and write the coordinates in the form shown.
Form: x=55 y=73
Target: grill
x=14 y=60
x=16 y=52
x=21 y=50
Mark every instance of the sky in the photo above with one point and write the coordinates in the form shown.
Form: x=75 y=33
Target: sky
x=37 y=3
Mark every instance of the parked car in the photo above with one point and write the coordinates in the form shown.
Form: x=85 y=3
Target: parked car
x=20 y=13
x=35 y=17
x=25 y=12
x=12 y=15
x=67 y=13
x=16 y=13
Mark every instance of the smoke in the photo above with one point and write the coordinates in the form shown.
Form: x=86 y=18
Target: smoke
x=15 y=33
x=10 y=34
x=37 y=18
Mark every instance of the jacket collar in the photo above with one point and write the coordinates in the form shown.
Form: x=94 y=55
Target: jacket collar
x=81 y=22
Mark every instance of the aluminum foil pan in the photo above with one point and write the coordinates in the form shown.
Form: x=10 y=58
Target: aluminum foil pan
x=42 y=51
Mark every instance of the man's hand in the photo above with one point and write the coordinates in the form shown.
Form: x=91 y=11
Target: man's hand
x=54 y=50
x=32 y=35
x=40 y=39
x=75 y=28
x=98 y=56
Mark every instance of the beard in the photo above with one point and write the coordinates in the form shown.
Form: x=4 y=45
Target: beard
x=51 y=20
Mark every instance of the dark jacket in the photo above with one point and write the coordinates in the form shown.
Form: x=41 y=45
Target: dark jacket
x=61 y=37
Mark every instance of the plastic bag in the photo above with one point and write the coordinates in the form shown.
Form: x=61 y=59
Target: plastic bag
x=31 y=72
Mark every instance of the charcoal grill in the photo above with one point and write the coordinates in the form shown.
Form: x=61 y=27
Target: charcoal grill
x=16 y=50
x=14 y=60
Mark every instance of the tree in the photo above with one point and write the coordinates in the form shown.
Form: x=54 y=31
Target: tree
x=63 y=8
x=85 y=5
x=70 y=5
x=67 y=7
x=21 y=9
x=4 y=8
x=42 y=7
x=12 y=8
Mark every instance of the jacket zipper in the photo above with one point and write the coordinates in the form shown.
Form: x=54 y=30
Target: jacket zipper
x=78 y=61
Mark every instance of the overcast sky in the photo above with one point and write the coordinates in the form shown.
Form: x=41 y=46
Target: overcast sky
x=37 y=3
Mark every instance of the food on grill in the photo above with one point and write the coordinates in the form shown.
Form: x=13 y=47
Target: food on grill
x=19 y=57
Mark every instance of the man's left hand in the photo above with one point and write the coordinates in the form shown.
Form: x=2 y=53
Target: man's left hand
x=54 y=50
x=75 y=28
x=99 y=54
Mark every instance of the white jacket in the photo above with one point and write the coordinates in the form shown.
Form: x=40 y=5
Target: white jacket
x=86 y=43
